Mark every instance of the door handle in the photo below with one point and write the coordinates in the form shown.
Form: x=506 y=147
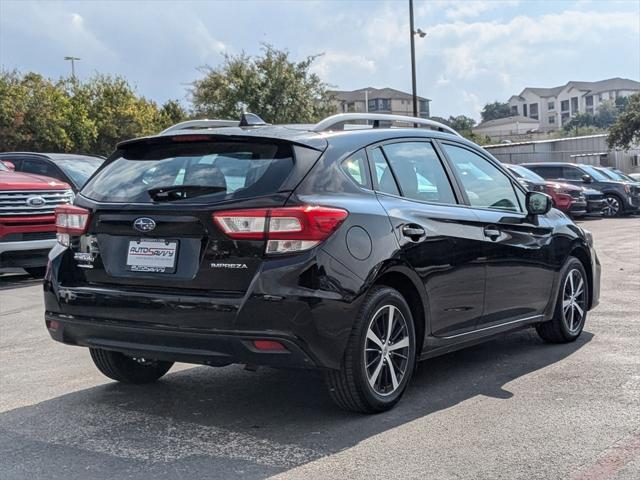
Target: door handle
x=492 y=232
x=414 y=232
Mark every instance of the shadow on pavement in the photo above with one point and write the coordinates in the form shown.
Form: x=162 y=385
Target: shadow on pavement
x=231 y=423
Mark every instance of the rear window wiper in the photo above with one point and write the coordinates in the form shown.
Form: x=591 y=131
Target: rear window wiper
x=181 y=192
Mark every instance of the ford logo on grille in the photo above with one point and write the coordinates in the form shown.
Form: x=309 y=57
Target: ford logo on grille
x=144 y=224
x=35 y=201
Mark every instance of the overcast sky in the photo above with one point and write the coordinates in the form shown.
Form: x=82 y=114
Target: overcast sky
x=475 y=51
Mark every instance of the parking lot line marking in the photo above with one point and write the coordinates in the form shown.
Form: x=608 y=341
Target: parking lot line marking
x=613 y=460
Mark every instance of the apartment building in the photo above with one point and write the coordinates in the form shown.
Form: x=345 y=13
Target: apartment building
x=379 y=100
x=553 y=107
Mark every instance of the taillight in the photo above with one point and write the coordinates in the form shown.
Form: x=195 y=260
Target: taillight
x=70 y=220
x=286 y=230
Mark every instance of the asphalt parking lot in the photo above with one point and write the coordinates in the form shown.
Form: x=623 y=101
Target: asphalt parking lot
x=513 y=408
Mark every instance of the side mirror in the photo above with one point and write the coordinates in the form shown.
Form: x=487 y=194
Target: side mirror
x=538 y=203
x=9 y=164
x=587 y=178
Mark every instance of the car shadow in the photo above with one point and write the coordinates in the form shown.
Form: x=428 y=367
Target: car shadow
x=242 y=424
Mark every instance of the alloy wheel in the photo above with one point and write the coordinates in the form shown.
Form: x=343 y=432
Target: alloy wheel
x=611 y=207
x=386 y=350
x=574 y=301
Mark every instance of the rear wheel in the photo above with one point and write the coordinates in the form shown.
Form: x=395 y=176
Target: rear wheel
x=380 y=355
x=612 y=206
x=571 y=306
x=121 y=368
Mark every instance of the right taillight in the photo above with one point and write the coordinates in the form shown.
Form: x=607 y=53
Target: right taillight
x=70 y=220
x=286 y=230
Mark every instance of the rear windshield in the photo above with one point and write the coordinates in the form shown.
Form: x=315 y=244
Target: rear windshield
x=227 y=170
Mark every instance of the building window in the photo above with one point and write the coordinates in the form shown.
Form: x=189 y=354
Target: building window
x=552 y=119
x=565 y=116
x=373 y=105
x=574 y=104
x=533 y=111
x=551 y=105
x=589 y=100
x=564 y=105
x=524 y=110
x=514 y=110
x=385 y=104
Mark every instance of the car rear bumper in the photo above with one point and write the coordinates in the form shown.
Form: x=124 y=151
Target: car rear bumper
x=182 y=345
x=31 y=253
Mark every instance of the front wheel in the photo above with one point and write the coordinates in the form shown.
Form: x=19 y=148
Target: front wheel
x=572 y=303
x=380 y=355
x=612 y=206
x=121 y=368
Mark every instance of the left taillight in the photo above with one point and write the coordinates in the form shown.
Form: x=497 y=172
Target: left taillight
x=70 y=220
x=286 y=230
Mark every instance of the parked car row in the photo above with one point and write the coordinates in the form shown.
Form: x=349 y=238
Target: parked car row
x=579 y=190
x=31 y=187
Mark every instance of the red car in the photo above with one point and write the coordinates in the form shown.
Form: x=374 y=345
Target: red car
x=27 y=220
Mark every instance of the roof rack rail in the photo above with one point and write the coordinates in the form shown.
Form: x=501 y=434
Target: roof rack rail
x=196 y=124
x=376 y=118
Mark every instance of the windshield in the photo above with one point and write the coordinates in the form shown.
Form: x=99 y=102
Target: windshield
x=614 y=175
x=526 y=173
x=3 y=167
x=192 y=172
x=597 y=175
x=79 y=169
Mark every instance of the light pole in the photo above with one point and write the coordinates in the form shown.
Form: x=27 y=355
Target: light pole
x=73 y=66
x=412 y=33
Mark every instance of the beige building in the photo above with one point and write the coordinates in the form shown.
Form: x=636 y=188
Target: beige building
x=553 y=107
x=379 y=100
x=506 y=128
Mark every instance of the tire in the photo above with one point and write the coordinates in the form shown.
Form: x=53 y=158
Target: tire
x=37 y=272
x=613 y=206
x=350 y=387
x=121 y=368
x=567 y=322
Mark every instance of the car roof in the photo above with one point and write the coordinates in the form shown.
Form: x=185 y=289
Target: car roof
x=552 y=164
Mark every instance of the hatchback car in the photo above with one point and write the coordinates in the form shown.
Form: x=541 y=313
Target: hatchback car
x=619 y=197
x=357 y=251
x=66 y=167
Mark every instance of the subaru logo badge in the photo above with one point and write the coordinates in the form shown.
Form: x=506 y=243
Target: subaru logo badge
x=35 y=201
x=144 y=224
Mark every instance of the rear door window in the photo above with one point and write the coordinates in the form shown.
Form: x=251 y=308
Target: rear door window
x=419 y=172
x=198 y=172
x=384 y=176
x=570 y=173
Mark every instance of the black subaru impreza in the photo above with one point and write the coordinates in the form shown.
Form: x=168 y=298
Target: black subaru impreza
x=347 y=246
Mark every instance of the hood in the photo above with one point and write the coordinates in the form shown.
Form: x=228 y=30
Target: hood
x=28 y=181
x=563 y=186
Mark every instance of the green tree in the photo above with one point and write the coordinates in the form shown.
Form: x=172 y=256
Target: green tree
x=495 y=110
x=461 y=123
x=626 y=130
x=171 y=113
x=606 y=114
x=117 y=112
x=271 y=85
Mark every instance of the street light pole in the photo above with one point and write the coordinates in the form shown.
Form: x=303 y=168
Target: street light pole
x=73 y=66
x=413 y=60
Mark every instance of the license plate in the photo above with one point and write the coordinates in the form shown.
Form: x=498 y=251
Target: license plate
x=152 y=255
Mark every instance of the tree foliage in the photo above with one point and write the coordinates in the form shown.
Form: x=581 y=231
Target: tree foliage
x=626 y=130
x=38 y=114
x=495 y=110
x=271 y=85
x=606 y=114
